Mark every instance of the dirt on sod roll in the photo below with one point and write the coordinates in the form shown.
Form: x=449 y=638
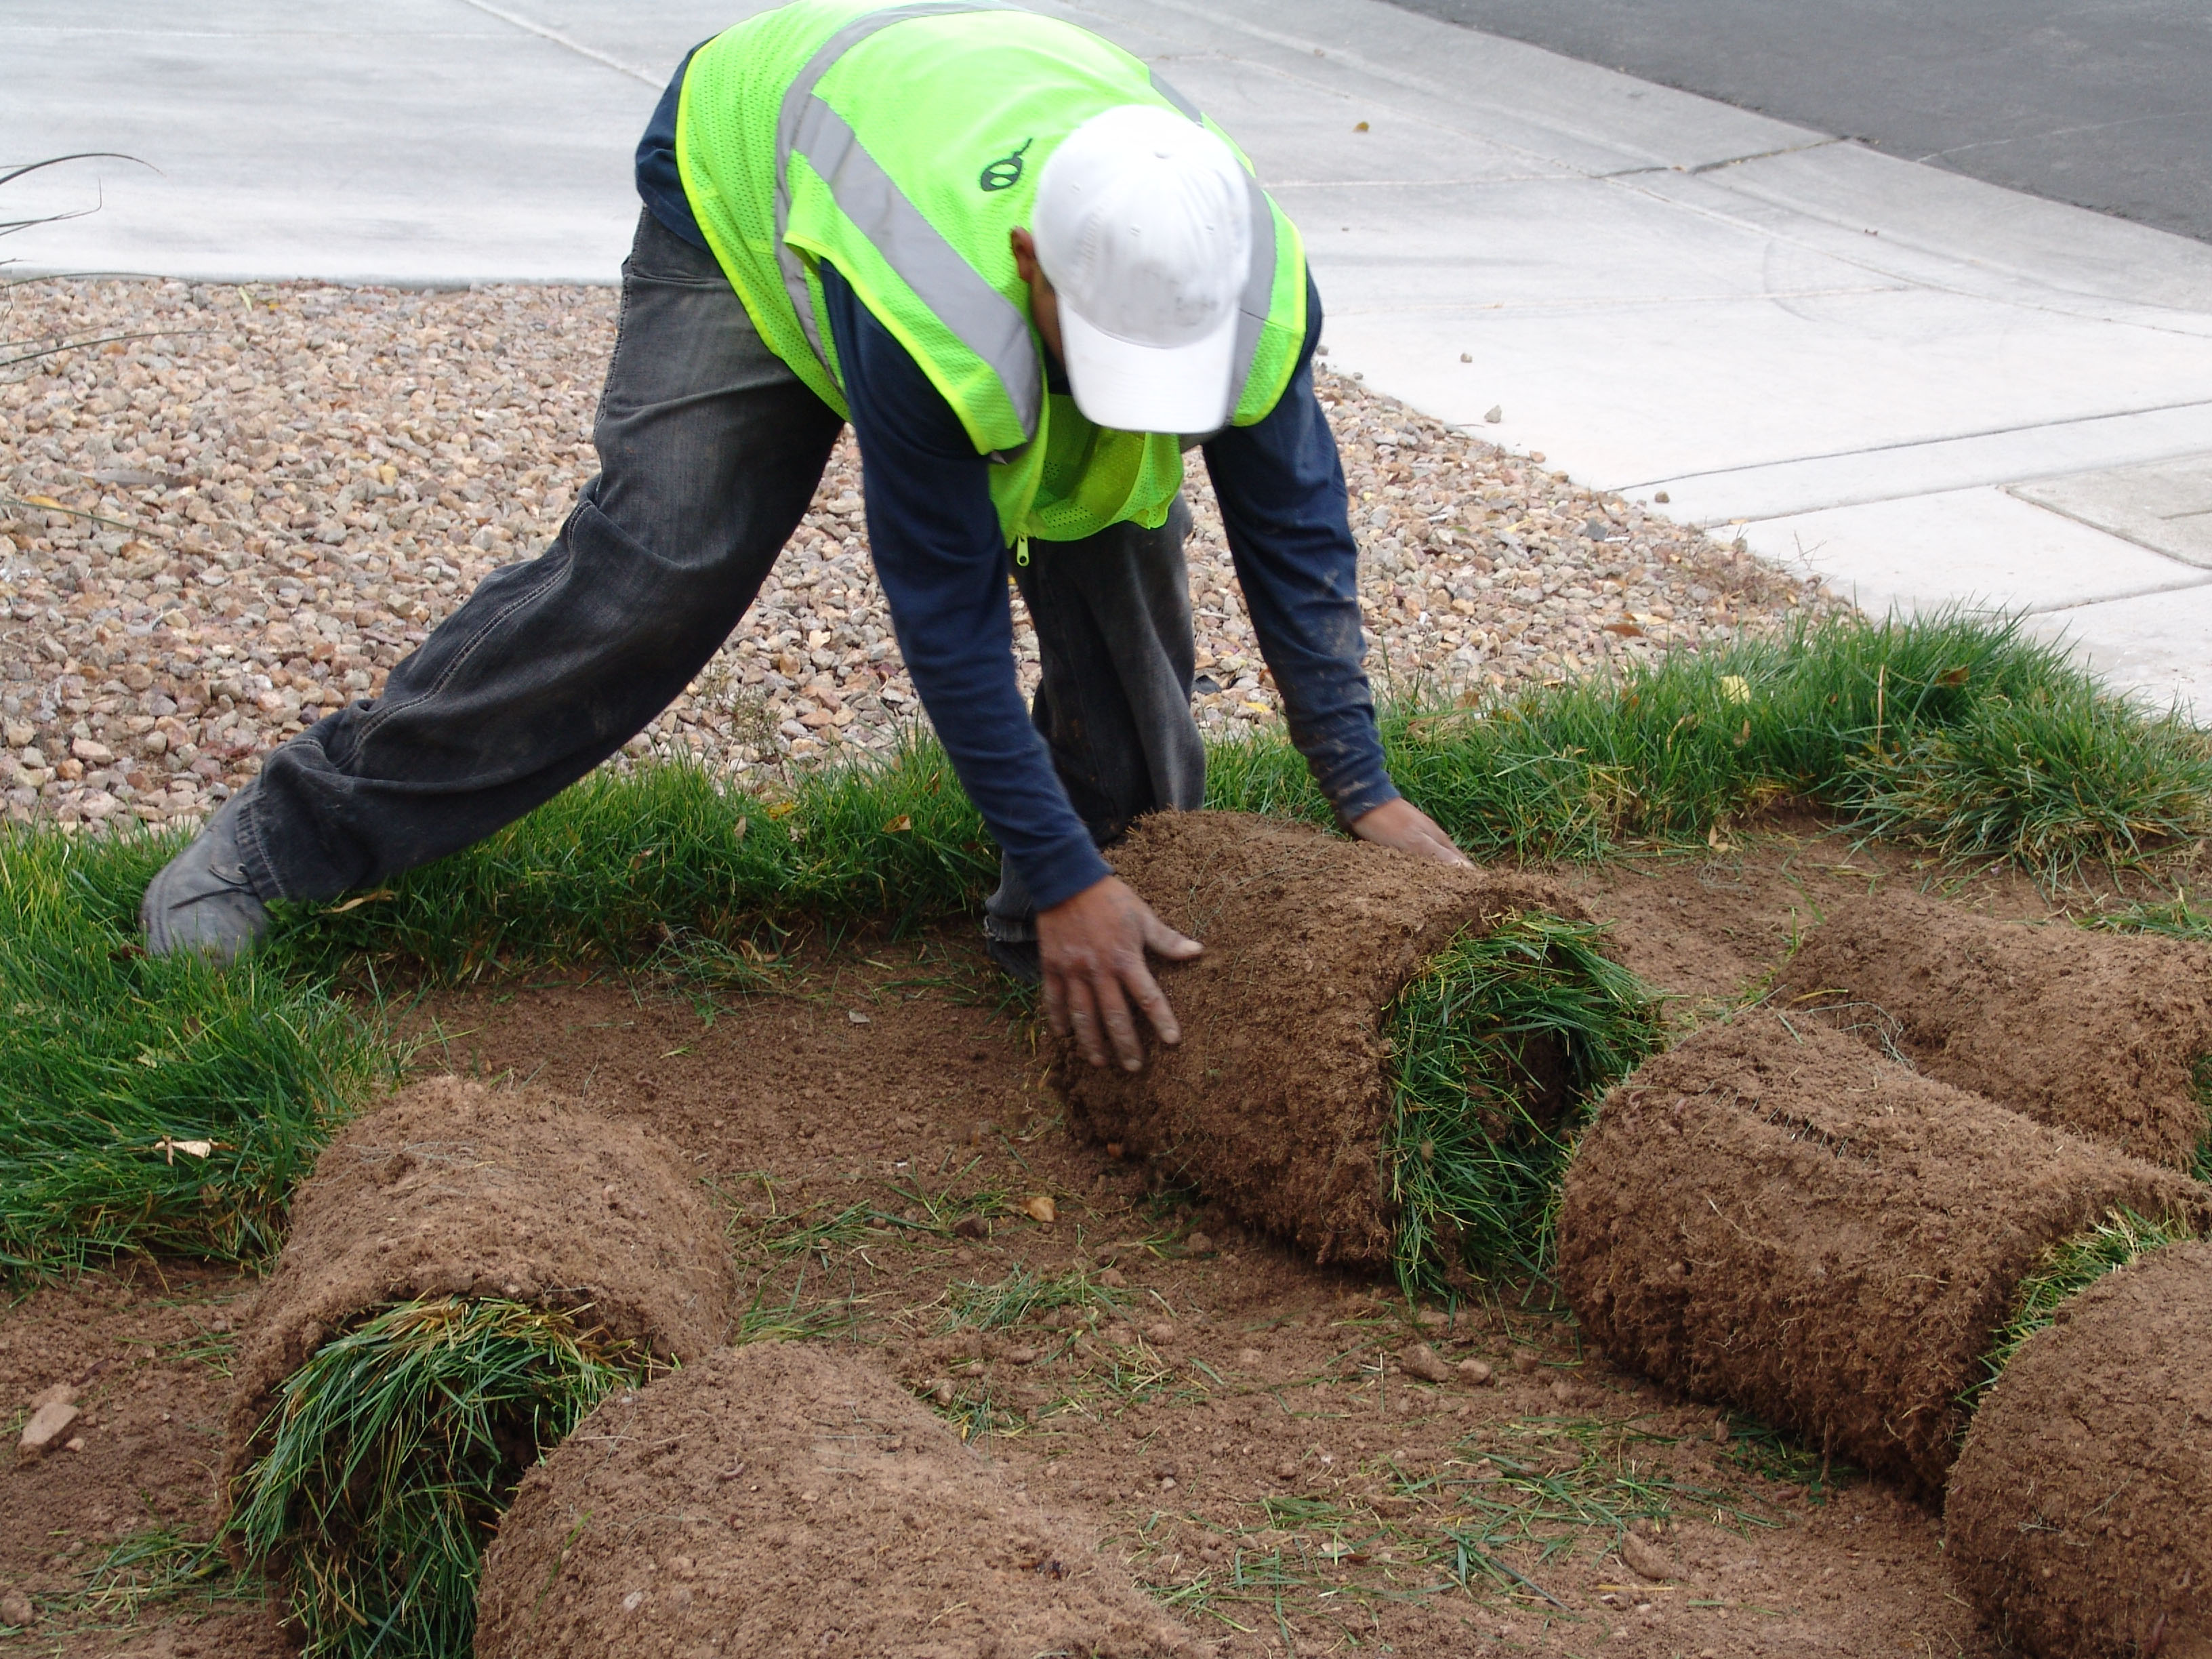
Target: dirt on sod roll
x=1278 y=1100
x=2096 y=1033
x=784 y=1498
x=1773 y=1216
x=591 y=1253
x=2076 y=1518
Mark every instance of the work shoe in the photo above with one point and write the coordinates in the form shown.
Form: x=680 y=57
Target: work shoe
x=200 y=900
x=1017 y=958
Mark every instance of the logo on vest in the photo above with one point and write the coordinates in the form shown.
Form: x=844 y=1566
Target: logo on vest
x=1006 y=172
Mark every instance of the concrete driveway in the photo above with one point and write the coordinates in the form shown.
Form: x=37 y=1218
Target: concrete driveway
x=1930 y=389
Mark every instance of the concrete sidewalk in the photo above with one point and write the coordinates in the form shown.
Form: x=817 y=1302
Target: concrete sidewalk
x=1928 y=389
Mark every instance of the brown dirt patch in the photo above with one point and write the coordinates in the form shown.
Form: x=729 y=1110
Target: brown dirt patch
x=802 y=1115
x=787 y=1498
x=2095 y=1033
x=2077 y=1515
x=454 y=1190
x=1276 y=1100
x=1771 y=1215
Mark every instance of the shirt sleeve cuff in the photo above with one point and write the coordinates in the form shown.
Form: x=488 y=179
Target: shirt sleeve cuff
x=1062 y=872
x=1356 y=799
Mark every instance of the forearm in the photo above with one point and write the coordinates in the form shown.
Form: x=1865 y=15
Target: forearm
x=960 y=656
x=1283 y=506
x=934 y=535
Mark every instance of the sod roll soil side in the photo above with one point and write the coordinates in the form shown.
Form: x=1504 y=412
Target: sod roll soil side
x=1276 y=1099
x=454 y=1189
x=2078 y=1517
x=1782 y=1219
x=2089 y=1031
x=789 y=1499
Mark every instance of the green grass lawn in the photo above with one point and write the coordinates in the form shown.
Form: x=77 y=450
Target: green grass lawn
x=165 y=1106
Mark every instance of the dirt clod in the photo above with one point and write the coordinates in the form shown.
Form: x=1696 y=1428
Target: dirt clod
x=2095 y=1033
x=1646 y=1559
x=1852 y=1232
x=1526 y=1361
x=2076 y=1516
x=1475 y=1373
x=16 y=1609
x=865 y=1527
x=1276 y=1099
x=1421 y=1360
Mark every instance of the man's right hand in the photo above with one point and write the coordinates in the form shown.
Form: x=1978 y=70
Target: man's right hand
x=1092 y=948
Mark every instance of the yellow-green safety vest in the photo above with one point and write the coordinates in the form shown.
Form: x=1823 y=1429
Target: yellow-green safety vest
x=902 y=143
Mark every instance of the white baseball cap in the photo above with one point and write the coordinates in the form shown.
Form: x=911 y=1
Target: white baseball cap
x=1143 y=229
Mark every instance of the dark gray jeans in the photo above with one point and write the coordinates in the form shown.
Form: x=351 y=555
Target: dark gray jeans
x=709 y=450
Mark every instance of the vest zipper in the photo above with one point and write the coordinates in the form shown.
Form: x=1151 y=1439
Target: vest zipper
x=1022 y=552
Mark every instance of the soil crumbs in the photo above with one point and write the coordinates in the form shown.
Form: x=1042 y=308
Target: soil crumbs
x=1232 y=1421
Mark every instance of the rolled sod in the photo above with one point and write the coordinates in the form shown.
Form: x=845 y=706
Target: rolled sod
x=468 y=1273
x=1774 y=1216
x=785 y=1497
x=2102 y=1033
x=1382 y=1060
x=2079 y=1518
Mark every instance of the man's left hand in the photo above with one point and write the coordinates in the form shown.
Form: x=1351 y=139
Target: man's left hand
x=1402 y=824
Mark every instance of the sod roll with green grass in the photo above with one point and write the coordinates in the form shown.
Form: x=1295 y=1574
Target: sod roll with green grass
x=2075 y=1517
x=470 y=1271
x=2098 y=1033
x=391 y=1455
x=1381 y=1059
x=1774 y=1216
x=791 y=1498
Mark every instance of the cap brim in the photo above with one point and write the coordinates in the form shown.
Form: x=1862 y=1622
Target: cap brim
x=1145 y=388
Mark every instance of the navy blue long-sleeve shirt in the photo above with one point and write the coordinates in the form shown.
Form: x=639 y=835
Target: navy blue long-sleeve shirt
x=934 y=532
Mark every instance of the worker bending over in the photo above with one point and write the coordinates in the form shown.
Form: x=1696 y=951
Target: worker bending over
x=1032 y=276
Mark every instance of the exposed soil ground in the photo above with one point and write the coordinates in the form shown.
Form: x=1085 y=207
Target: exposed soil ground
x=1234 y=1427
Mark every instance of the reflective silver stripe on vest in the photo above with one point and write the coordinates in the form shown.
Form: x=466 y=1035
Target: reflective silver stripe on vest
x=797 y=98
x=1258 y=298
x=985 y=320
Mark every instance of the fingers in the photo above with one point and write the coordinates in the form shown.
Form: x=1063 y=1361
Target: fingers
x=1437 y=846
x=1083 y=1018
x=1055 y=1001
x=1153 y=1000
x=1092 y=951
x=1159 y=937
x=1121 y=1028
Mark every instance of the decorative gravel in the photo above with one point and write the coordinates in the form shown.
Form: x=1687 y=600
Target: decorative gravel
x=225 y=510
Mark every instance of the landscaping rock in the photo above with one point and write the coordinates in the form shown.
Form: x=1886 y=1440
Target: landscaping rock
x=257 y=510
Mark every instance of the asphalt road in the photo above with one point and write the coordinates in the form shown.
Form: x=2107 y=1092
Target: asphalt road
x=2106 y=104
